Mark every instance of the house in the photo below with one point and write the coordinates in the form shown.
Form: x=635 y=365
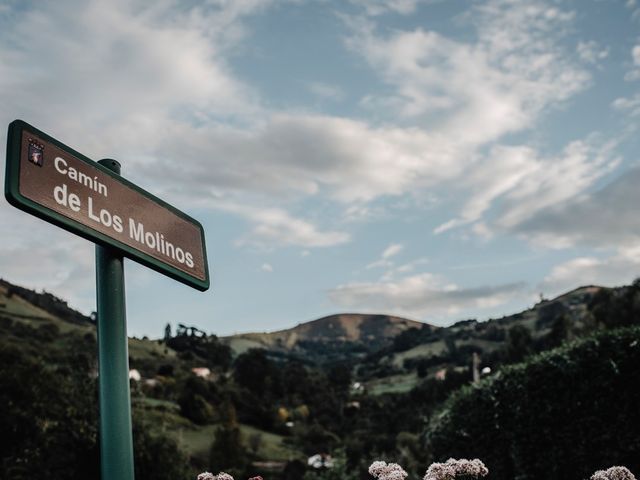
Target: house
x=441 y=374
x=202 y=372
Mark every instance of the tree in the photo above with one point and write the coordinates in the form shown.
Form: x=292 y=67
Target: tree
x=253 y=370
x=340 y=376
x=49 y=419
x=157 y=457
x=560 y=331
x=227 y=452
x=519 y=343
x=194 y=401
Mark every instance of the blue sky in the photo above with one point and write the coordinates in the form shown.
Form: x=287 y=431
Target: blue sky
x=439 y=160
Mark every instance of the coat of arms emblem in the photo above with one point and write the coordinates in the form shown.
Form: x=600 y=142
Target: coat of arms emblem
x=36 y=152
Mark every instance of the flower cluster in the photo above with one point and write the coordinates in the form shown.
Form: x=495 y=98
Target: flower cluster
x=211 y=476
x=384 y=471
x=453 y=468
x=613 y=473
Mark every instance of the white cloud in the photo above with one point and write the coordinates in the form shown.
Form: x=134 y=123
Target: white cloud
x=634 y=73
x=392 y=250
x=591 y=52
x=522 y=183
x=635 y=53
x=304 y=155
x=630 y=105
x=175 y=74
x=323 y=90
x=379 y=7
x=193 y=129
x=49 y=259
x=160 y=61
x=394 y=272
x=384 y=261
x=606 y=218
x=277 y=228
x=266 y=267
x=170 y=107
x=519 y=69
x=517 y=66
x=619 y=269
x=422 y=295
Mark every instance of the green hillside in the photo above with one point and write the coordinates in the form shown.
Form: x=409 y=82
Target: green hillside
x=251 y=404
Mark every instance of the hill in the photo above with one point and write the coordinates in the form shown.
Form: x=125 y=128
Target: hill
x=360 y=386
x=351 y=331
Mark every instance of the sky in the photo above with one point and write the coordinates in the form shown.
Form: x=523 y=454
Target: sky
x=439 y=160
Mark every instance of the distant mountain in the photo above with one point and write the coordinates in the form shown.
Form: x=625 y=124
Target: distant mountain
x=427 y=354
x=353 y=331
x=393 y=354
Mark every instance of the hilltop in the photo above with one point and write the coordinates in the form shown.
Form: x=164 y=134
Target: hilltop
x=335 y=334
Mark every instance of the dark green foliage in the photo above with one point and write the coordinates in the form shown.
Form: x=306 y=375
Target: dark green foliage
x=157 y=457
x=559 y=416
x=617 y=307
x=317 y=439
x=195 y=400
x=192 y=343
x=294 y=470
x=339 y=376
x=227 y=452
x=253 y=371
x=165 y=370
x=492 y=332
x=519 y=344
x=48 y=421
x=549 y=311
x=412 y=337
x=560 y=332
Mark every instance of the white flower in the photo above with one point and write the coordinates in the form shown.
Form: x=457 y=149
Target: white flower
x=223 y=476
x=452 y=468
x=613 y=473
x=384 y=471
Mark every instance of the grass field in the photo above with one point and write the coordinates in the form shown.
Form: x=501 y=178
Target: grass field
x=424 y=350
x=164 y=418
x=197 y=440
x=392 y=384
x=148 y=350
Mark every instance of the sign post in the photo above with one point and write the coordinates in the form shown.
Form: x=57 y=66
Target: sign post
x=61 y=186
x=116 y=441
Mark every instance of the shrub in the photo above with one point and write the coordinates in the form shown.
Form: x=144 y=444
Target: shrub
x=560 y=415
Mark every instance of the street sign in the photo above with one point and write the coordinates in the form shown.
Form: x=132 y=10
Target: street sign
x=56 y=183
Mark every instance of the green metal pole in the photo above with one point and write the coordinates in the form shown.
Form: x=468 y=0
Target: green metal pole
x=116 y=441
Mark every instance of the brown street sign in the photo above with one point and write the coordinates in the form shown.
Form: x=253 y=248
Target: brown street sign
x=54 y=182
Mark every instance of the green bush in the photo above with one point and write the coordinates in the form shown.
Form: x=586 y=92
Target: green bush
x=560 y=415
